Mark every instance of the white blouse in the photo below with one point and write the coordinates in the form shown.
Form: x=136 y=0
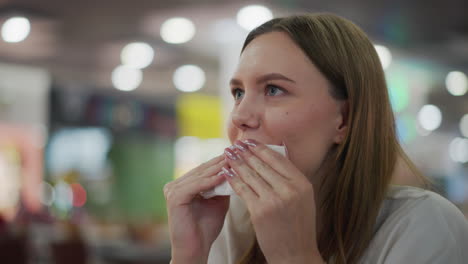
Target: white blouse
x=414 y=226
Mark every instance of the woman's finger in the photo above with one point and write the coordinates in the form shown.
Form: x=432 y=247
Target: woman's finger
x=206 y=169
x=264 y=170
x=211 y=162
x=184 y=193
x=205 y=165
x=240 y=187
x=247 y=174
x=275 y=160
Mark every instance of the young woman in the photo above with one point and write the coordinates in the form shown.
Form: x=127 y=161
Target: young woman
x=314 y=84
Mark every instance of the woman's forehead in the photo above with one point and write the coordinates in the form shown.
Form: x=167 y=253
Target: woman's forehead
x=274 y=46
x=273 y=52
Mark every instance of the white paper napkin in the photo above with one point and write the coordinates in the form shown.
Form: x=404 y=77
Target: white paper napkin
x=225 y=188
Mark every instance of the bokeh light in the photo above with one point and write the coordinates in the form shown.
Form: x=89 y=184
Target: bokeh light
x=430 y=117
x=189 y=78
x=385 y=55
x=16 y=29
x=456 y=83
x=421 y=131
x=126 y=78
x=252 y=16
x=177 y=30
x=464 y=125
x=458 y=150
x=137 y=55
x=47 y=194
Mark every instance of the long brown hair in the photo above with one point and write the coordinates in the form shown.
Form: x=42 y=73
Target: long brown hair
x=359 y=170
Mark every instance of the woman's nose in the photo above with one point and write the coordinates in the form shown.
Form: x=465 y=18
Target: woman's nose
x=246 y=115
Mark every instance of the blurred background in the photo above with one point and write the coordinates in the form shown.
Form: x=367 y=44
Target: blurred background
x=103 y=102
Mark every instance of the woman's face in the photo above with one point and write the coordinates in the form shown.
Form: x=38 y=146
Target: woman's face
x=281 y=97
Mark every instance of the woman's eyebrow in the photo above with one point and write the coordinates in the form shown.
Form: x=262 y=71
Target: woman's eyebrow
x=263 y=79
x=273 y=76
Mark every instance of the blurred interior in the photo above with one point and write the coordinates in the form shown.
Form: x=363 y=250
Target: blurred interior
x=103 y=102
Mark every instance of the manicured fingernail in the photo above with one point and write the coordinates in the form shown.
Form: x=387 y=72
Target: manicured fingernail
x=241 y=146
x=230 y=154
x=285 y=149
x=251 y=142
x=228 y=172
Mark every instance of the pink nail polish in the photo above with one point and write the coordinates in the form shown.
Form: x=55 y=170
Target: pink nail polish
x=241 y=146
x=250 y=142
x=228 y=172
x=230 y=154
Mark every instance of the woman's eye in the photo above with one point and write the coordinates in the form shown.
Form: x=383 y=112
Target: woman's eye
x=272 y=90
x=237 y=93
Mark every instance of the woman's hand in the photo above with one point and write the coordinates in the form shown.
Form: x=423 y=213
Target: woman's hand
x=280 y=200
x=194 y=222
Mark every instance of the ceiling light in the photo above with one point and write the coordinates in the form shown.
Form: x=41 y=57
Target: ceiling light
x=126 y=78
x=177 y=30
x=137 y=55
x=16 y=29
x=456 y=83
x=385 y=55
x=430 y=117
x=252 y=16
x=189 y=78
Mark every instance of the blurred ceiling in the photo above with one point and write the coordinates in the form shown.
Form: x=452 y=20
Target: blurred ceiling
x=80 y=41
